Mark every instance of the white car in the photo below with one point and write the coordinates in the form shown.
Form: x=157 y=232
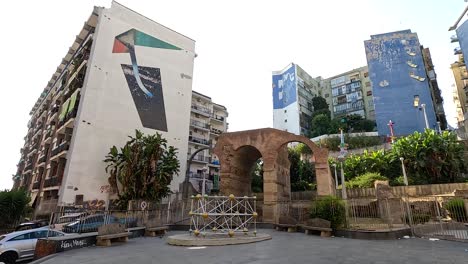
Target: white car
x=20 y=245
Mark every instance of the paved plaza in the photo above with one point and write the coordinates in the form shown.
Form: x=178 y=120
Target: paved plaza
x=283 y=248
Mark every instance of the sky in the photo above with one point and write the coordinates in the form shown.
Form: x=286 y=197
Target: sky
x=239 y=43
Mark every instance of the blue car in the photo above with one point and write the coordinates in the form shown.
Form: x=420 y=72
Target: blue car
x=93 y=222
x=90 y=223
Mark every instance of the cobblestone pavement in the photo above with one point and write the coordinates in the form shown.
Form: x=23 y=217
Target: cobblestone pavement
x=283 y=248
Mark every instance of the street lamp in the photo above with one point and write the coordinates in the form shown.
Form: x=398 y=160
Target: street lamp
x=404 y=170
x=336 y=177
x=405 y=178
x=343 y=184
x=423 y=106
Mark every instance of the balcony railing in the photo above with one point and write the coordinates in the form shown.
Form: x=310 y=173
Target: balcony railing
x=199 y=140
x=54 y=181
x=202 y=109
x=216 y=131
x=28 y=167
x=70 y=115
x=457 y=51
x=201 y=158
x=218 y=117
x=62 y=147
x=453 y=38
x=42 y=159
x=199 y=124
x=36 y=185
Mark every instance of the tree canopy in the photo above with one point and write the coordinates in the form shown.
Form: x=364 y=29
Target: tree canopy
x=14 y=205
x=429 y=158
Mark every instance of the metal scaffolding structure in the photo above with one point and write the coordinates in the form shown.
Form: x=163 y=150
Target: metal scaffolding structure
x=223 y=215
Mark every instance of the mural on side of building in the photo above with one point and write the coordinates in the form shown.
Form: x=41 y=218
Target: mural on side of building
x=284 y=88
x=144 y=82
x=98 y=205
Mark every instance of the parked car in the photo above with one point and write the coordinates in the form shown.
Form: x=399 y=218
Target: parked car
x=89 y=223
x=32 y=225
x=66 y=219
x=93 y=222
x=20 y=245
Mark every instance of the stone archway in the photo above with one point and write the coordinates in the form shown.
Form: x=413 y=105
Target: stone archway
x=238 y=151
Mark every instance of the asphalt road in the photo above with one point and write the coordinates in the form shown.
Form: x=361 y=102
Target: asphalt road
x=283 y=248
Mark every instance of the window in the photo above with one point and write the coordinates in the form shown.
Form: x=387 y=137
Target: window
x=369 y=93
x=366 y=74
x=367 y=84
x=21 y=237
x=285 y=110
x=39 y=234
x=285 y=120
x=327 y=95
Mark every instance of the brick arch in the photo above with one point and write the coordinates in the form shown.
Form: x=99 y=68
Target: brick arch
x=238 y=150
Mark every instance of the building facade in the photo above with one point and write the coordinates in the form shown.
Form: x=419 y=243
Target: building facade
x=460 y=75
x=207 y=121
x=293 y=90
x=352 y=94
x=123 y=72
x=401 y=85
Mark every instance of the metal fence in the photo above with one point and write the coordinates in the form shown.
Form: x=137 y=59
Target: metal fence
x=440 y=217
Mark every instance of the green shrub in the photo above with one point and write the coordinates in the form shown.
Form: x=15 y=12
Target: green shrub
x=365 y=181
x=330 y=208
x=418 y=218
x=456 y=208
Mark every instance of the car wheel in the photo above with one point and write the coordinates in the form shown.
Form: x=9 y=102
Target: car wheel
x=9 y=257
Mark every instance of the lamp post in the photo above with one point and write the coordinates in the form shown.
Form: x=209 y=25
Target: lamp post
x=425 y=115
x=423 y=106
x=405 y=178
x=343 y=183
x=336 y=177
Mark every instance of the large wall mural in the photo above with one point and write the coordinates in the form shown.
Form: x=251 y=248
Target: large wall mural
x=145 y=83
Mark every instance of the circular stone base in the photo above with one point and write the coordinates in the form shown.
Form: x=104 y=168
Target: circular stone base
x=215 y=239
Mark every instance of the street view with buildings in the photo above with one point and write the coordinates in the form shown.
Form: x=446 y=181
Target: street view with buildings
x=379 y=142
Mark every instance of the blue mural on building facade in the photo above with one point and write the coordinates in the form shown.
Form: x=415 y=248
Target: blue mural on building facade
x=398 y=74
x=462 y=35
x=284 y=88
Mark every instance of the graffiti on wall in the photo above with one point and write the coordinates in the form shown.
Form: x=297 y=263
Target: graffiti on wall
x=98 y=205
x=144 y=82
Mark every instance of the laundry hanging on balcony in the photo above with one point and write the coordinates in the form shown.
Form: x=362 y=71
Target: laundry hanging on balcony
x=64 y=111
x=73 y=98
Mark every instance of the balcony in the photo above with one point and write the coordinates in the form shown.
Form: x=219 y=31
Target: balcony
x=201 y=159
x=453 y=39
x=51 y=182
x=200 y=125
x=42 y=160
x=199 y=141
x=214 y=163
x=217 y=118
x=216 y=131
x=28 y=167
x=48 y=136
x=60 y=151
x=36 y=185
x=68 y=120
x=201 y=110
x=457 y=51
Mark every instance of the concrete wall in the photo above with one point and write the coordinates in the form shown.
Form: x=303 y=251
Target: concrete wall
x=108 y=114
